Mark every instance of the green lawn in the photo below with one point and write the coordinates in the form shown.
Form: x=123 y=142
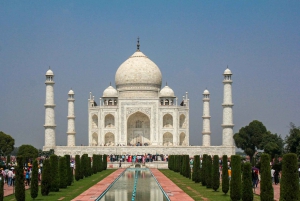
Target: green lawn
x=197 y=191
x=71 y=191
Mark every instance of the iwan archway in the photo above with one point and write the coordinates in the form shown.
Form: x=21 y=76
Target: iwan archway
x=138 y=129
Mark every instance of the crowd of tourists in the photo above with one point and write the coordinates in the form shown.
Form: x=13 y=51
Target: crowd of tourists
x=138 y=158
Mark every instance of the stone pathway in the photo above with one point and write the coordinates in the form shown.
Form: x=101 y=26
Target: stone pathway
x=8 y=190
x=173 y=191
x=96 y=190
x=276 y=191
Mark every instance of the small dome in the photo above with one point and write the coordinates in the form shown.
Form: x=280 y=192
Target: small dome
x=71 y=92
x=227 y=72
x=166 y=92
x=110 y=92
x=205 y=92
x=49 y=72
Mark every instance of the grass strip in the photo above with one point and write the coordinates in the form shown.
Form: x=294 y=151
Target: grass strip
x=196 y=190
x=70 y=192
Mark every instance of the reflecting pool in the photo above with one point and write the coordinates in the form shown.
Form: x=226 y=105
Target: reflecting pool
x=135 y=184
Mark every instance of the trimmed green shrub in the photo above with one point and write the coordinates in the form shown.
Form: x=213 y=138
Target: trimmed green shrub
x=104 y=161
x=196 y=169
x=225 y=178
x=54 y=187
x=289 y=184
x=69 y=170
x=46 y=178
x=62 y=172
x=77 y=168
x=100 y=163
x=235 y=183
x=1 y=188
x=215 y=173
x=8 y=160
x=34 y=187
x=208 y=172
x=266 y=188
x=19 y=180
x=94 y=168
x=203 y=172
x=247 y=194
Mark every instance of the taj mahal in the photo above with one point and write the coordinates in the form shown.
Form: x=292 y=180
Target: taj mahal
x=139 y=116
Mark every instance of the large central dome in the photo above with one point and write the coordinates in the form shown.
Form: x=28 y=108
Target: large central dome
x=138 y=73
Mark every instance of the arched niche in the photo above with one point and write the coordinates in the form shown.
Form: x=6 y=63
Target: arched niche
x=182 y=139
x=168 y=139
x=138 y=129
x=94 y=139
x=109 y=139
x=168 y=121
x=94 y=121
x=109 y=121
x=182 y=121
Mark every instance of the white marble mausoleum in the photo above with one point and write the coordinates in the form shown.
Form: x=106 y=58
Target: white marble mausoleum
x=139 y=116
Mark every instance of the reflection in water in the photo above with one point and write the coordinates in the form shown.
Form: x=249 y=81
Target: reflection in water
x=146 y=190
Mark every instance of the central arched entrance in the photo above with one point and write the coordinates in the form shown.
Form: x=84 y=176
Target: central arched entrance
x=138 y=129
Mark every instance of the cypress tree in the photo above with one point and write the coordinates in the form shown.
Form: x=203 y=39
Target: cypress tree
x=203 y=172
x=196 y=169
x=1 y=188
x=225 y=178
x=77 y=167
x=89 y=165
x=54 y=173
x=100 y=163
x=188 y=167
x=62 y=172
x=104 y=162
x=83 y=166
x=69 y=170
x=215 y=173
x=8 y=161
x=19 y=180
x=34 y=187
x=235 y=183
x=182 y=166
x=266 y=188
x=289 y=185
x=46 y=178
x=94 y=164
x=208 y=172
x=247 y=194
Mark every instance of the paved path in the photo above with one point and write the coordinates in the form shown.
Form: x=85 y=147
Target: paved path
x=276 y=191
x=96 y=190
x=8 y=190
x=174 y=192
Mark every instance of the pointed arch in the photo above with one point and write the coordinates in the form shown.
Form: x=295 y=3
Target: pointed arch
x=168 y=139
x=182 y=139
x=138 y=129
x=94 y=139
x=94 y=121
x=182 y=121
x=168 y=121
x=109 y=121
x=109 y=139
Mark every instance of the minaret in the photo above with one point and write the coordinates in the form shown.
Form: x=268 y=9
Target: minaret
x=227 y=110
x=71 y=119
x=206 y=119
x=49 y=112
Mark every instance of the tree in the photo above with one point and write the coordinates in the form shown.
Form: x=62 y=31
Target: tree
x=266 y=188
x=100 y=163
x=272 y=144
x=46 y=178
x=249 y=138
x=215 y=173
x=34 y=188
x=225 y=178
x=203 y=170
x=196 y=169
x=77 y=168
x=292 y=140
x=235 y=183
x=19 y=181
x=8 y=159
x=69 y=170
x=104 y=161
x=62 y=171
x=28 y=152
x=54 y=173
x=208 y=170
x=6 y=144
x=247 y=194
x=289 y=184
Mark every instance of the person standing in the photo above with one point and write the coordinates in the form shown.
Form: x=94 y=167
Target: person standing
x=9 y=176
x=276 y=177
x=272 y=175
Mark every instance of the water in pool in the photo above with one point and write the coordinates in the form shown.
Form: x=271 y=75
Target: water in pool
x=124 y=188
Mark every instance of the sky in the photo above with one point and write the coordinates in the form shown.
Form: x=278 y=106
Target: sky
x=192 y=42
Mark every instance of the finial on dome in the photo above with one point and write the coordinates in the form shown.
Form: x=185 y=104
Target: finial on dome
x=109 y=83
x=166 y=83
x=49 y=67
x=227 y=66
x=138 y=44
